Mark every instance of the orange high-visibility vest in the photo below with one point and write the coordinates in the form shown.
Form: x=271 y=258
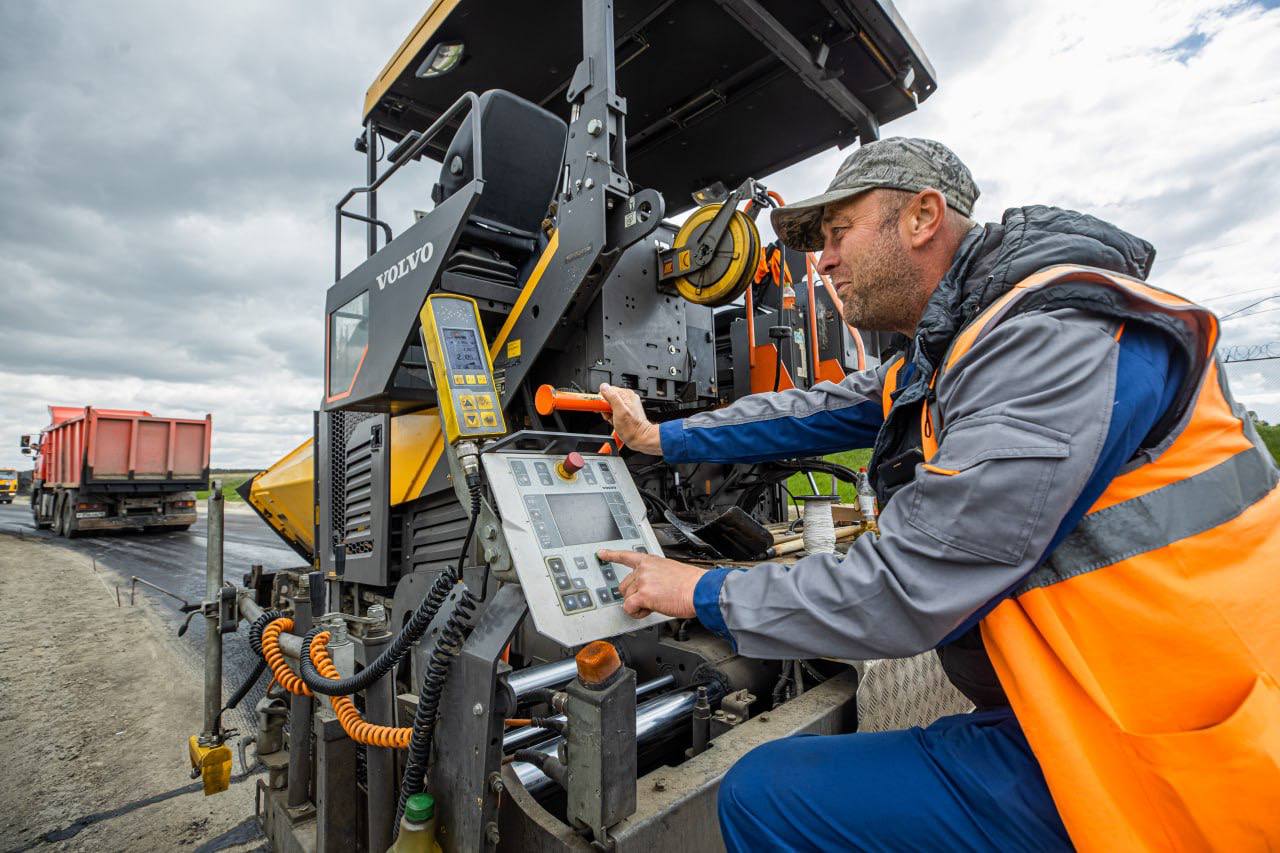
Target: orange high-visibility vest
x=1141 y=657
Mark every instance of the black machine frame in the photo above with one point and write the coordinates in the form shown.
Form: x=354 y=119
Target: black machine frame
x=598 y=215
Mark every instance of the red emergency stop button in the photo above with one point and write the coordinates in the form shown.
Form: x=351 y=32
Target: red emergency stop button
x=569 y=467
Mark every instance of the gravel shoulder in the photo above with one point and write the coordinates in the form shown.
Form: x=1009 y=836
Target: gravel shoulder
x=96 y=705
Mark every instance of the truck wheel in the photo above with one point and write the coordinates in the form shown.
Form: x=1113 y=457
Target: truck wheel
x=70 y=527
x=58 y=517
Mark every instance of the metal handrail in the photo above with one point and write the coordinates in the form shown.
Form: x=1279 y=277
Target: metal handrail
x=470 y=101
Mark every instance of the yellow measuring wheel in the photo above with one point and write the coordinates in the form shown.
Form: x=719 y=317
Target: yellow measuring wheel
x=732 y=267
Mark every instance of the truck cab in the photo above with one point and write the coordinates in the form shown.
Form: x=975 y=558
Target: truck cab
x=8 y=485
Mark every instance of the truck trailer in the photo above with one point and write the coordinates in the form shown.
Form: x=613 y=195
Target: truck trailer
x=113 y=469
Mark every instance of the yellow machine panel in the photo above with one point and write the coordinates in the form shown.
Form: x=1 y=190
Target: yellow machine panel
x=284 y=495
x=416 y=446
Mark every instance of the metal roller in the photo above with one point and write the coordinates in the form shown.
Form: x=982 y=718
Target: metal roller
x=522 y=737
x=653 y=719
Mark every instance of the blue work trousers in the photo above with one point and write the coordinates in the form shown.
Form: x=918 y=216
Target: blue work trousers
x=967 y=782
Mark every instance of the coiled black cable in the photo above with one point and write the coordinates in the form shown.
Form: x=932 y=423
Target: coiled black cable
x=445 y=649
x=410 y=634
x=391 y=655
x=255 y=643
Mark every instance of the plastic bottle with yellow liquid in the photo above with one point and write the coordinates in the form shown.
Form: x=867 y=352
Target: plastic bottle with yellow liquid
x=417 y=827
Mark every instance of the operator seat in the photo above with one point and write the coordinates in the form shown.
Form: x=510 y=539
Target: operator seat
x=522 y=150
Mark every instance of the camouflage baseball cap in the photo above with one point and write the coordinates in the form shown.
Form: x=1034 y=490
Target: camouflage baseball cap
x=895 y=163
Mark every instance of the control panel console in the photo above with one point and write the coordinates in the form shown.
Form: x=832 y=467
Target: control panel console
x=557 y=512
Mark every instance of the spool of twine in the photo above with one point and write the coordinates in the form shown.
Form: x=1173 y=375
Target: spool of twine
x=819 y=529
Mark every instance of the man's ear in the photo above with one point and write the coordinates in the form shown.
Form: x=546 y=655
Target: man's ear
x=925 y=216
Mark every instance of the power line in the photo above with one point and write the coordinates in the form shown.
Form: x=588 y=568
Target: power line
x=1203 y=249
x=1237 y=293
x=1250 y=305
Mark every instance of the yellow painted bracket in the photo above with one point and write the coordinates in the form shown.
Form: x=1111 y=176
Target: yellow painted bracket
x=214 y=764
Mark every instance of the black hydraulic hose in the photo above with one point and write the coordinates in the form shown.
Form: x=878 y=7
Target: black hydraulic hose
x=255 y=643
x=445 y=649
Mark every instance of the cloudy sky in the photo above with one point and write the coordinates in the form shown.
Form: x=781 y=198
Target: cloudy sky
x=168 y=170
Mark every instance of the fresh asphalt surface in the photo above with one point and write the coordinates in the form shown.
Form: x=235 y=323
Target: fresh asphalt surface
x=176 y=562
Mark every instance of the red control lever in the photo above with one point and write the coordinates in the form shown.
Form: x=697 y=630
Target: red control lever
x=549 y=399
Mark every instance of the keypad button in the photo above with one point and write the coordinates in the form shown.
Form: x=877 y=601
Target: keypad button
x=457 y=379
x=580 y=563
x=484 y=401
x=584 y=600
x=471 y=419
x=579 y=583
x=588 y=476
x=481 y=379
x=562 y=583
x=570 y=602
x=606 y=473
x=471 y=379
x=640 y=548
x=617 y=596
x=555 y=564
x=609 y=574
x=489 y=419
x=603 y=595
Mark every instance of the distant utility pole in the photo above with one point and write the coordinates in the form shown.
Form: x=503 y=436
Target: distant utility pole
x=1249 y=352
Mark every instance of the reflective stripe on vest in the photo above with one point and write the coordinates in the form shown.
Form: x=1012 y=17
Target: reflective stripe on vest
x=891 y=383
x=1141 y=657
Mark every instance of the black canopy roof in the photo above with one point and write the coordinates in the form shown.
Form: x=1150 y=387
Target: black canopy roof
x=715 y=89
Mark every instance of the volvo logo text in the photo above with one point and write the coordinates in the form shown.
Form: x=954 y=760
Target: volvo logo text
x=406 y=266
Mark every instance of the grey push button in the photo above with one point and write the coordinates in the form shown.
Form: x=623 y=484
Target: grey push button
x=580 y=563
x=589 y=476
x=579 y=583
x=544 y=473
x=640 y=548
x=584 y=601
x=607 y=474
x=562 y=583
x=521 y=473
x=609 y=574
x=570 y=602
x=556 y=565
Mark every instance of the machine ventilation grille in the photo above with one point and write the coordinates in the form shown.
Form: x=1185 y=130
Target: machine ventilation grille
x=358 y=499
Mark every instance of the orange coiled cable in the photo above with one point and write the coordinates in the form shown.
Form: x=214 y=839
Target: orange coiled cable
x=356 y=727
x=287 y=678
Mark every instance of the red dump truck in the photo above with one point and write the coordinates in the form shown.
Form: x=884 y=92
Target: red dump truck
x=108 y=469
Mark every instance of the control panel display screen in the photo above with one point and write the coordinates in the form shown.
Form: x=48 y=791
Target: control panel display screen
x=583 y=518
x=462 y=350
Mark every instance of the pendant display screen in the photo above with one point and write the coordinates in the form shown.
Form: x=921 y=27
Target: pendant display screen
x=462 y=350
x=583 y=518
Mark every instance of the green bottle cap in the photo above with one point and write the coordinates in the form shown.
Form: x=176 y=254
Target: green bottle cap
x=420 y=808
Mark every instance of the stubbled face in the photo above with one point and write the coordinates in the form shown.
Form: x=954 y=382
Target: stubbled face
x=864 y=254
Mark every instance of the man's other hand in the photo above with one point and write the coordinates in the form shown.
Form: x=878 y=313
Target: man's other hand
x=630 y=421
x=655 y=584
